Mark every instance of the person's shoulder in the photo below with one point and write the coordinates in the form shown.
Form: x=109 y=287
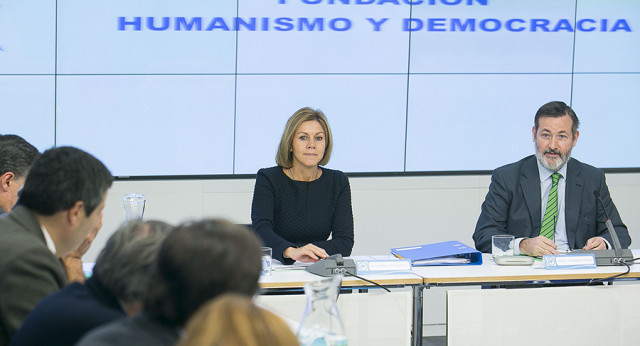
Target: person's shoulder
x=270 y=171
x=120 y=331
x=334 y=173
x=334 y=177
x=15 y=240
x=579 y=167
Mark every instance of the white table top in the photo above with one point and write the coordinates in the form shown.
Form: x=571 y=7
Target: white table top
x=295 y=277
x=491 y=272
x=488 y=272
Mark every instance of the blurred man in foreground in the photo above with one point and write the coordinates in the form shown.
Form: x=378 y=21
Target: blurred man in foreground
x=198 y=261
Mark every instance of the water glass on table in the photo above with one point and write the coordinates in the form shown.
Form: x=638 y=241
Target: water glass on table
x=266 y=261
x=502 y=245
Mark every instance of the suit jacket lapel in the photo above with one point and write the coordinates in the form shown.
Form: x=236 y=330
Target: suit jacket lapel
x=572 y=199
x=530 y=185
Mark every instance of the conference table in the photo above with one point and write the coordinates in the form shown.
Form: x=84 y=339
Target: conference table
x=424 y=277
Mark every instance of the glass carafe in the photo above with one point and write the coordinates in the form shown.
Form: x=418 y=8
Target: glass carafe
x=321 y=324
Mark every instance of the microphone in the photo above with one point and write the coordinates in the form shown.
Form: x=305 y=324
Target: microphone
x=608 y=223
x=333 y=265
x=609 y=257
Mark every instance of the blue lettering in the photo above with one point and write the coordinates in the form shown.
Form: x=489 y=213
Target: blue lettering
x=436 y=24
x=581 y=26
x=603 y=25
x=364 y=2
x=377 y=24
x=137 y=23
x=311 y=26
x=563 y=24
x=265 y=24
x=451 y=2
x=413 y=2
x=344 y=2
x=510 y=27
x=165 y=24
x=539 y=24
x=310 y=2
x=284 y=24
x=182 y=22
x=468 y=3
x=393 y=2
x=238 y=22
x=217 y=23
x=346 y=24
x=408 y=24
x=621 y=24
x=456 y=24
x=490 y=24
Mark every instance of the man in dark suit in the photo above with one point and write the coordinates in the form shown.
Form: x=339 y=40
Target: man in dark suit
x=60 y=204
x=547 y=200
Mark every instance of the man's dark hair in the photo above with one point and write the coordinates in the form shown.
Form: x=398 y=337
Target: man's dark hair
x=556 y=109
x=125 y=263
x=197 y=262
x=16 y=155
x=63 y=176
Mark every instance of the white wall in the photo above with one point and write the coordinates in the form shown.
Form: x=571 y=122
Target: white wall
x=388 y=211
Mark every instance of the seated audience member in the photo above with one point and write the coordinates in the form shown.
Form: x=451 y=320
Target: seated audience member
x=16 y=158
x=116 y=288
x=547 y=200
x=234 y=320
x=297 y=205
x=197 y=262
x=60 y=204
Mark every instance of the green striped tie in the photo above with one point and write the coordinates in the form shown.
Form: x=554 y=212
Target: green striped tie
x=551 y=213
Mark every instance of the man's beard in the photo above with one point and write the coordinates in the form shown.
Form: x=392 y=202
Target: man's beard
x=557 y=163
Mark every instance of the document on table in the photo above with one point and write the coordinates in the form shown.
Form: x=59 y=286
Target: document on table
x=277 y=265
x=442 y=260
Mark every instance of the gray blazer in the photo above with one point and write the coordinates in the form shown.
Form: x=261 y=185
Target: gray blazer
x=28 y=270
x=513 y=205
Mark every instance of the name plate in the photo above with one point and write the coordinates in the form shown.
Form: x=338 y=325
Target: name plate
x=569 y=261
x=383 y=266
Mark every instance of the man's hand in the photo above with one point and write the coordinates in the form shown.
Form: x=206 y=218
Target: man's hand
x=308 y=253
x=538 y=246
x=595 y=243
x=73 y=261
x=86 y=243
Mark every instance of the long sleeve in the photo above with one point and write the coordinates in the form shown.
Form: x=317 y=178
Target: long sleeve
x=494 y=215
x=287 y=213
x=26 y=282
x=262 y=216
x=341 y=241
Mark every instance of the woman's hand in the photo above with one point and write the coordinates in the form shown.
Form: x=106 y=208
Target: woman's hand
x=308 y=253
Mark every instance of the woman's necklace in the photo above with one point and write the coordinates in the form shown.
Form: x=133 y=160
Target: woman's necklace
x=314 y=178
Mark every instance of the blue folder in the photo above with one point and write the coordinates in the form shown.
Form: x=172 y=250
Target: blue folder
x=445 y=253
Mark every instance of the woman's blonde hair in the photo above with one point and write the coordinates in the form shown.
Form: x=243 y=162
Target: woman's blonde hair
x=284 y=157
x=234 y=320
